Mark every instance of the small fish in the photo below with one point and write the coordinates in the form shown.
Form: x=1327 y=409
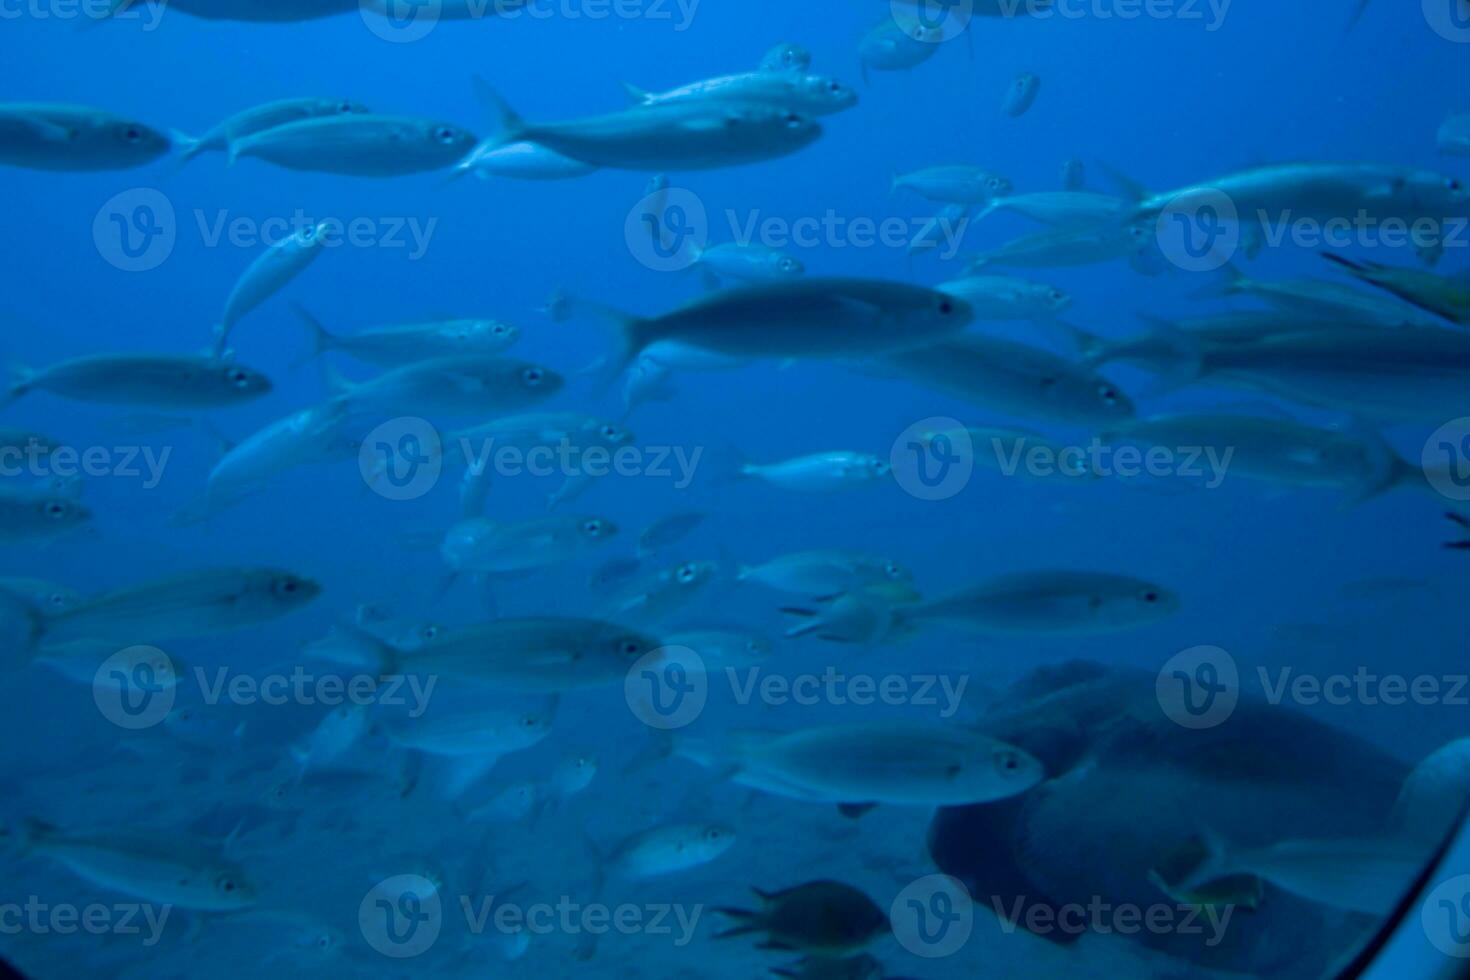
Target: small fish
x=1045 y=602
x=863 y=616
x=359 y=145
x=667 y=850
x=337 y=734
x=824 y=573
x=750 y=262
x=1008 y=298
x=213 y=730
x=147 y=668
x=957 y=184
x=46 y=596
x=721 y=648
x=311 y=435
x=669 y=530
x=470 y=739
x=892 y=46
x=28 y=515
x=400 y=344
x=268 y=275
x=469 y=385
x=1063 y=209
x=1071 y=246
x=1007 y=450
x=1021 y=95
x=75 y=138
x=520 y=161
x=787 y=58
x=820 y=472
x=511 y=805
x=669 y=590
x=1320 y=299
x=823 y=918
x=482 y=545
x=572 y=775
x=675 y=136
x=164 y=868
x=900 y=764
x=153 y=380
x=812 y=95
x=263 y=117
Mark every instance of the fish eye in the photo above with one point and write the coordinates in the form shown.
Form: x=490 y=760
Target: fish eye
x=1452 y=184
x=834 y=86
x=788 y=265
x=592 y=527
x=1057 y=295
x=58 y=600
x=238 y=378
x=793 y=121
x=713 y=834
x=1150 y=596
x=287 y=586
x=630 y=648
x=226 y=884
x=892 y=570
x=132 y=134
x=687 y=573
x=1007 y=762
x=499 y=329
x=946 y=307
x=533 y=376
x=531 y=721
x=428 y=632
x=346 y=107
x=56 y=509
x=1108 y=394
x=445 y=134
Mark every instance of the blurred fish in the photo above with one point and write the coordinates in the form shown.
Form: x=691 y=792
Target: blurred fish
x=673 y=136
x=511 y=805
x=824 y=573
x=668 y=590
x=866 y=615
x=1063 y=247
x=470 y=739
x=812 y=95
x=721 y=648
x=824 y=918
x=1008 y=298
x=614 y=575
x=337 y=734
x=902 y=764
x=519 y=161
x=165 y=868
x=358 y=145
x=751 y=262
x=1021 y=95
x=1063 y=209
x=1319 y=298
x=892 y=46
x=666 y=850
x=1010 y=451
x=482 y=545
x=146 y=667
x=29 y=515
x=820 y=472
x=669 y=530
x=45 y=596
x=957 y=184
x=1434 y=794
x=75 y=138
x=400 y=344
x=263 y=117
x=311 y=435
x=467 y=385
x=268 y=275
x=1062 y=603
x=1441 y=295
x=648 y=380
x=571 y=776
x=206 y=727
x=155 y=380
x=787 y=57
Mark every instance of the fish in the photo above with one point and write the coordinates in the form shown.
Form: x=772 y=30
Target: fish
x=787 y=58
x=721 y=648
x=824 y=573
x=1160 y=349
x=795 y=319
x=338 y=733
x=1074 y=175
x=668 y=590
x=1021 y=95
x=311 y=435
x=1010 y=451
x=511 y=805
x=29 y=515
x=268 y=116
x=1008 y=298
x=812 y=95
x=1369 y=875
x=481 y=545
x=572 y=775
x=395 y=345
x=666 y=850
x=152 y=380
x=529 y=655
x=1041 y=603
x=1318 y=298
x=359 y=145
x=900 y=764
x=892 y=46
x=46 y=596
x=675 y=136
x=268 y=275
x=864 y=615
x=1062 y=209
x=1454 y=136
x=824 y=918
x=202 y=603
x=955 y=184
x=746 y=263
x=472 y=384
x=75 y=138
x=669 y=530
x=1014 y=379
x=820 y=472
x=1065 y=247
x=1434 y=794
x=81 y=660
x=165 y=868
x=471 y=739
x=1444 y=296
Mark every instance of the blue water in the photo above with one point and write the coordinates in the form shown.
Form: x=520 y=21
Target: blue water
x=1165 y=101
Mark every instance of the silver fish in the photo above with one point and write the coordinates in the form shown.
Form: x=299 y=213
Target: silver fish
x=268 y=116
x=359 y=146
x=75 y=138
x=157 y=380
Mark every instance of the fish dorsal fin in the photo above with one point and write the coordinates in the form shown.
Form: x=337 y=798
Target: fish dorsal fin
x=636 y=95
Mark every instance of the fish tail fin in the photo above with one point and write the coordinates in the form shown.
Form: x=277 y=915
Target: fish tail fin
x=1462 y=522
x=1214 y=865
x=812 y=624
x=188 y=147
x=322 y=339
x=1126 y=185
x=509 y=124
x=1087 y=345
x=632 y=332
x=1229 y=281
x=1386 y=468
x=21 y=378
x=636 y=95
x=744 y=922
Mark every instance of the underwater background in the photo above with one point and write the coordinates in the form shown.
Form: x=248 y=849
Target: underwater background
x=1275 y=577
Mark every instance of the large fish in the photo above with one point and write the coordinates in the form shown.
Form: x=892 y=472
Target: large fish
x=468 y=385
x=154 y=380
x=1063 y=603
x=359 y=145
x=65 y=137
